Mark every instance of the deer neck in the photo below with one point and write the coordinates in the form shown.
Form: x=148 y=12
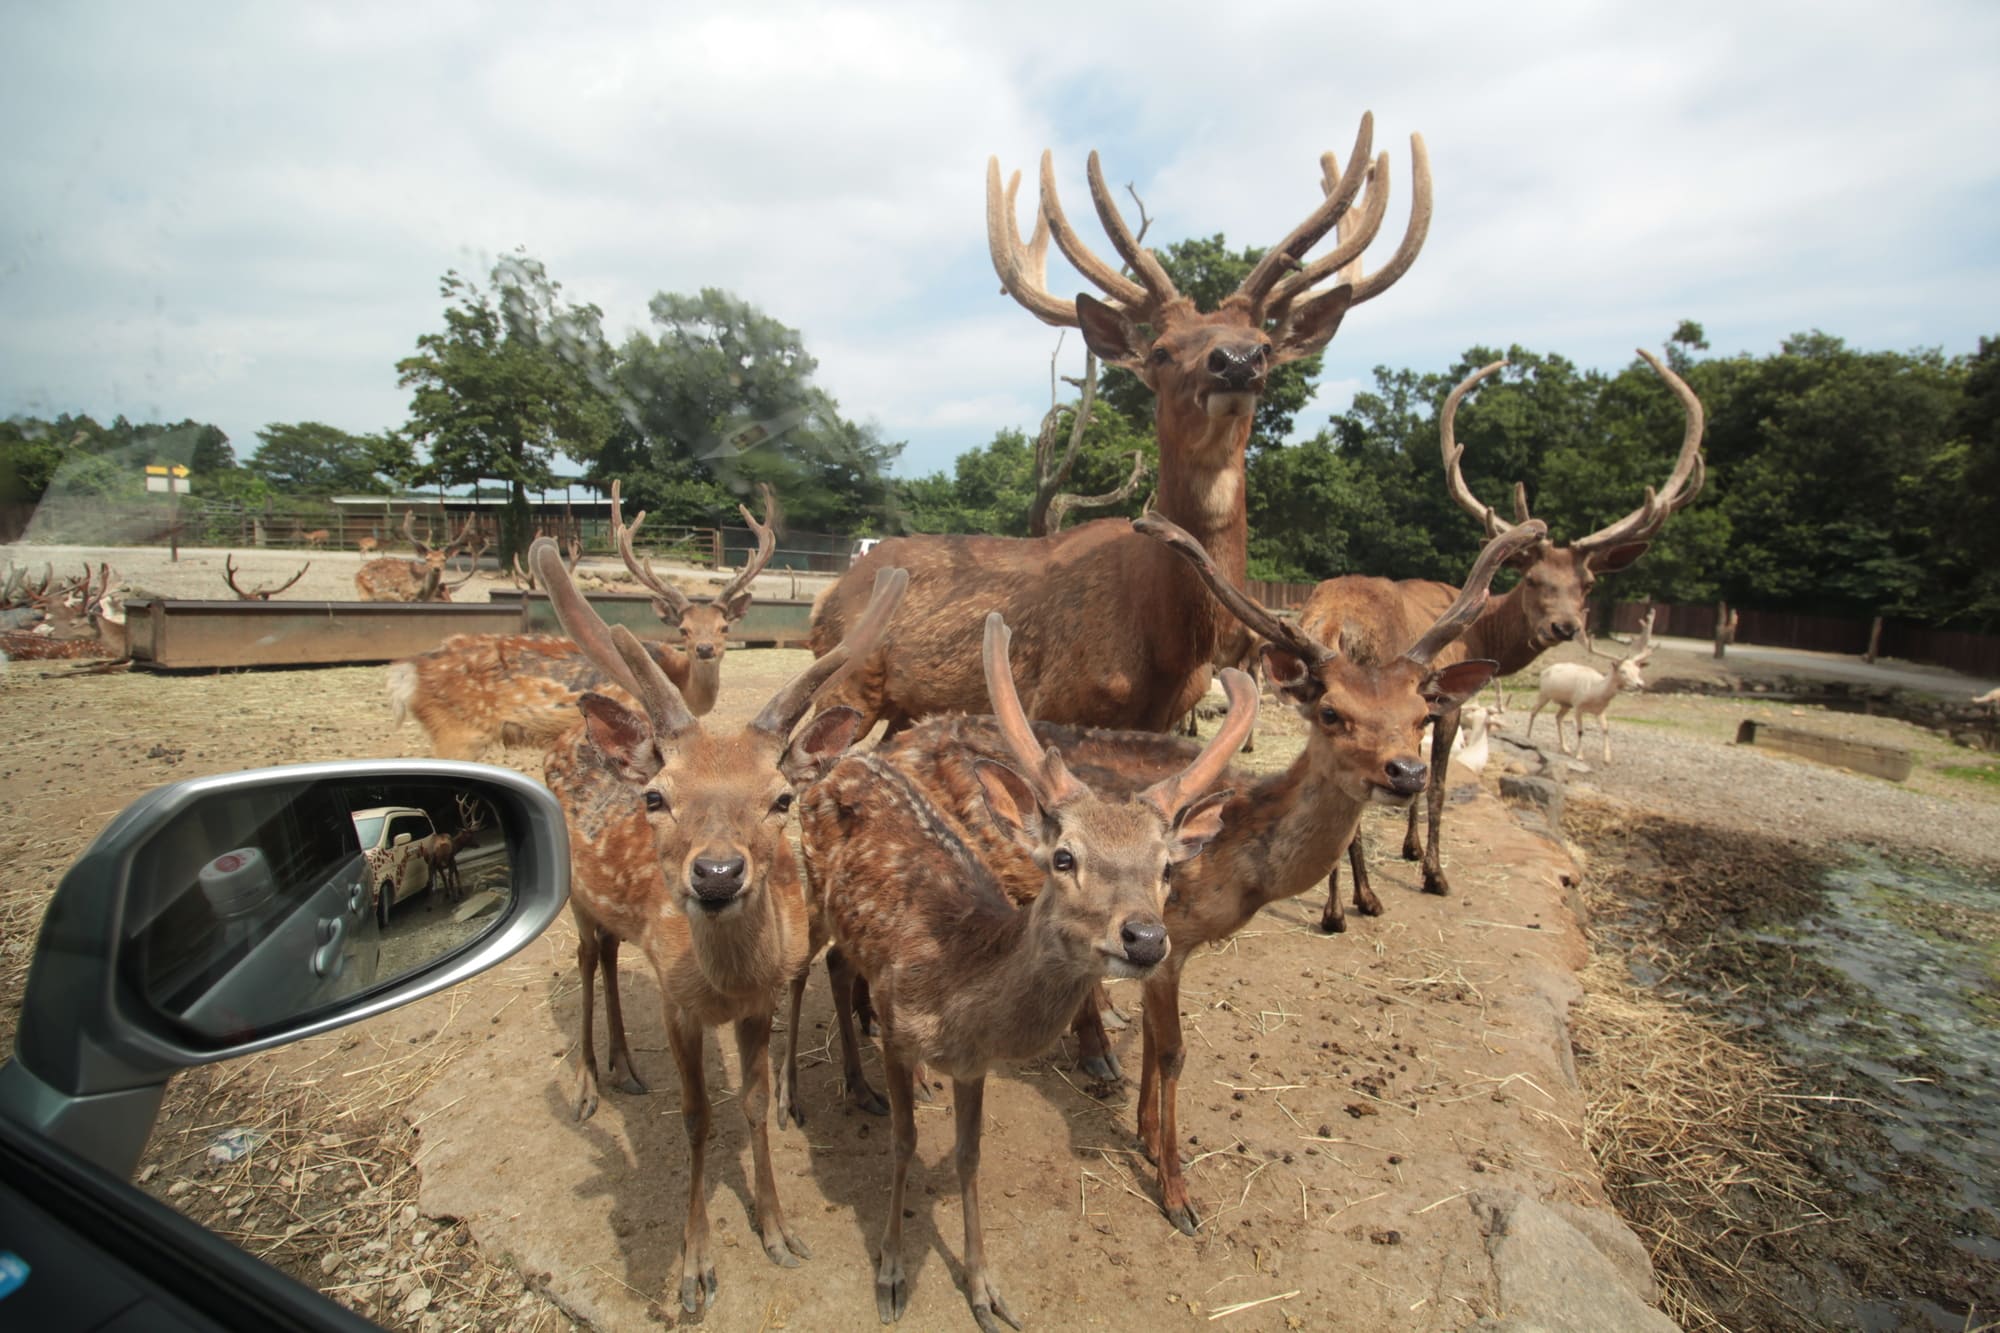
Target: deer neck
x=1015 y=998
x=742 y=951
x=1278 y=840
x=1202 y=482
x=704 y=681
x=1501 y=633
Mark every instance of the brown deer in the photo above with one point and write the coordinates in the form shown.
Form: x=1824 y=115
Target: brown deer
x=441 y=849
x=1545 y=608
x=476 y=691
x=393 y=579
x=1367 y=703
x=79 y=620
x=368 y=545
x=317 y=538
x=677 y=843
x=961 y=977
x=256 y=594
x=1151 y=631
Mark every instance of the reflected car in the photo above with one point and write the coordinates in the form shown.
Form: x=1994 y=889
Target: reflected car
x=392 y=838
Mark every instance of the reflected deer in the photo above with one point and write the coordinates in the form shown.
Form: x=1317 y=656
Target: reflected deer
x=256 y=594
x=1152 y=631
x=1544 y=609
x=961 y=977
x=478 y=691
x=678 y=844
x=441 y=850
x=393 y=579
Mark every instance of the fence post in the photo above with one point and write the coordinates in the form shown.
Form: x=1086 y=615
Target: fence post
x=1874 y=640
x=1725 y=628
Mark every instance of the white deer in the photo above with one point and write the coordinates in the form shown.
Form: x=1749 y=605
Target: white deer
x=1572 y=685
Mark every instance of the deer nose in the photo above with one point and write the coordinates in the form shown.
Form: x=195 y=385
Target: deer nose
x=1406 y=776
x=1564 y=629
x=716 y=879
x=1145 y=941
x=1235 y=370
x=705 y=651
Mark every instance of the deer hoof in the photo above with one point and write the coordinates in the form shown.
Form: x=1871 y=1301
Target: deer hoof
x=1104 y=1068
x=987 y=1302
x=1330 y=924
x=1437 y=884
x=784 y=1249
x=864 y=1098
x=698 y=1293
x=892 y=1289
x=1369 y=906
x=1185 y=1219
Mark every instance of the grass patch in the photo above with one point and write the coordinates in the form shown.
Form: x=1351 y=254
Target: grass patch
x=1984 y=774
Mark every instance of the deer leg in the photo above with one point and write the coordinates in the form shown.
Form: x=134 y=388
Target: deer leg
x=1163 y=1025
x=968 y=1096
x=753 y=1050
x=1333 y=920
x=841 y=977
x=586 y=966
x=864 y=1009
x=697 y=1269
x=1094 y=1055
x=1604 y=730
x=892 y=1284
x=1413 y=842
x=1442 y=736
x=623 y=1076
x=789 y=1106
x=1534 y=713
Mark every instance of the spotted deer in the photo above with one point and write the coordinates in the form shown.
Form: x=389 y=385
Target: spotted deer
x=79 y=619
x=477 y=691
x=677 y=844
x=963 y=978
x=394 y=579
x=1146 y=659
x=1366 y=702
x=1545 y=608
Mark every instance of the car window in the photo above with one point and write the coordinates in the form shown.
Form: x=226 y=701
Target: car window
x=368 y=829
x=413 y=825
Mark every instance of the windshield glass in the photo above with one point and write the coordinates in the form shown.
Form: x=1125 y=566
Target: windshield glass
x=368 y=829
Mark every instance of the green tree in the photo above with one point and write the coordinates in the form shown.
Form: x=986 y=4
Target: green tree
x=515 y=378
x=312 y=458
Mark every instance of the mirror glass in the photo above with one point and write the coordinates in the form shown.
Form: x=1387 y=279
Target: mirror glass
x=253 y=909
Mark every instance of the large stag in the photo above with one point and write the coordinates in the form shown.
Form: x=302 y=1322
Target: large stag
x=1545 y=608
x=678 y=844
x=256 y=594
x=393 y=579
x=476 y=691
x=961 y=976
x=1110 y=630
x=1367 y=703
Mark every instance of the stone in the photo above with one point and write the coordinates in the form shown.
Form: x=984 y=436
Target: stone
x=1550 y=1275
x=1543 y=794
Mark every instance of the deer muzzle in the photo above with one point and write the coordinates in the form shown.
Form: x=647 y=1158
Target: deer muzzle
x=715 y=882
x=1142 y=946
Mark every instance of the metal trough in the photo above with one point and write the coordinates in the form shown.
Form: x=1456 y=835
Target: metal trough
x=1882 y=761
x=769 y=623
x=176 y=635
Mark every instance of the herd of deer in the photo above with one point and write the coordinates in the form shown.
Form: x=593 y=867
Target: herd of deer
x=1024 y=829
x=51 y=618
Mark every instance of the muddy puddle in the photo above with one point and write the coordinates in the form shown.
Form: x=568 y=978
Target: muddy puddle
x=1875 y=980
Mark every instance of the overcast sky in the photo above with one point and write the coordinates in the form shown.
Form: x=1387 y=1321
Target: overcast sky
x=239 y=213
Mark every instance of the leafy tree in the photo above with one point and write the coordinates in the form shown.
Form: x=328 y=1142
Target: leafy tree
x=312 y=458
x=514 y=378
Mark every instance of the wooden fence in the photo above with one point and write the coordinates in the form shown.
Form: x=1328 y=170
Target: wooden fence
x=1973 y=654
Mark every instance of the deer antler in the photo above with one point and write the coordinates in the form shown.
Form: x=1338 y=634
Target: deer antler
x=421 y=547
x=229 y=577
x=1240 y=604
x=1043 y=768
x=1285 y=258
x=767 y=545
x=782 y=713
x=676 y=601
x=1683 y=484
x=1458 y=617
x=1454 y=453
x=1169 y=795
x=578 y=620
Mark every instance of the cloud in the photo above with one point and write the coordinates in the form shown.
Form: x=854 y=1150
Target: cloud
x=242 y=215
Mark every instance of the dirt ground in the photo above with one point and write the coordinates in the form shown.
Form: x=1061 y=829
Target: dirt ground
x=1348 y=1101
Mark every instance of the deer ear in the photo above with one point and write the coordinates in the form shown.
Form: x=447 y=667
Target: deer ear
x=1010 y=800
x=734 y=608
x=621 y=736
x=1313 y=325
x=1288 y=674
x=1613 y=559
x=817 y=748
x=1196 y=826
x=668 y=613
x=1108 y=333
x=1448 y=687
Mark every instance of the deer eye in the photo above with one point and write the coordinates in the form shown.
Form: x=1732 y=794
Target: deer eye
x=1160 y=356
x=655 y=800
x=782 y=804
x=1329 y=715
x=1063 y=860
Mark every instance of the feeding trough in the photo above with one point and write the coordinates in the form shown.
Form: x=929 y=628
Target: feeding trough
x=1881 y=761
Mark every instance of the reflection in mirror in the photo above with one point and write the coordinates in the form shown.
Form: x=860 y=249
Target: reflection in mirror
x=256 y=908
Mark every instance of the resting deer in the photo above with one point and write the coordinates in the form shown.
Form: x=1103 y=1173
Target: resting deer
x=256 y=594
x=393 y=579
x=1152 y=633
x=441 y=849
x=1544 y=609
x=1367 y=706
x=1572 y=685
x=677 y=843
x=78 y=620
x=476 y=691
x=961 y=977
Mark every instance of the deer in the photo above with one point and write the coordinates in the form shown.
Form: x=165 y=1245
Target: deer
x=1153 y=632
x=317 y=538
x=393 y=579
x=677 y=844
x=441 y=850
x=368 y=545
x=1542 y=610
x=1367 y=703
x=1572 y=685
x=256 y=594
x=962 y=977
x=476 y=691
x=79 y=620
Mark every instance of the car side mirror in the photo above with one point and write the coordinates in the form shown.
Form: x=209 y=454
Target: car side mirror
x=225 y=915
x=401 y=838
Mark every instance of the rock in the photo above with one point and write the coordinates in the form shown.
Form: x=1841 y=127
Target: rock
x=1538 y=792
x=1551 y=1275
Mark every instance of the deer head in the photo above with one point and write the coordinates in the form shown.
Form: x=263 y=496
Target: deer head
x=704 y=626
x=1556 y=580
x=1367 y=718
x=1627 y=667
x=716 y=802
x=1209 y=367
x=1109 y=862
x=256 y=594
